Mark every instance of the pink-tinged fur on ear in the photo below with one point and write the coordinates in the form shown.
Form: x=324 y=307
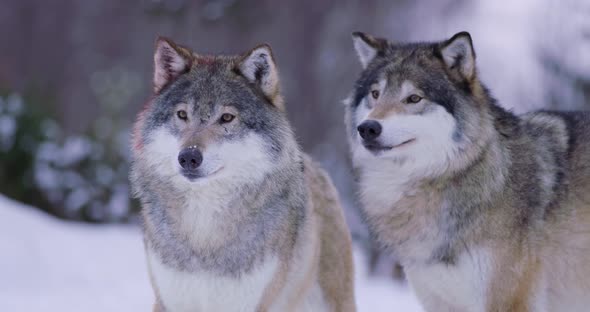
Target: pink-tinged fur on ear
x=170 y=61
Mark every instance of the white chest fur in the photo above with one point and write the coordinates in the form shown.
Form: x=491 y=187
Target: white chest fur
x=206 y=291
x=458 y=287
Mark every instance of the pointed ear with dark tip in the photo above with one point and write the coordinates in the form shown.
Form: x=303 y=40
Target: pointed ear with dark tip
x=170 y=61
x=458 y=54
x=367 y=47
x=258 y=67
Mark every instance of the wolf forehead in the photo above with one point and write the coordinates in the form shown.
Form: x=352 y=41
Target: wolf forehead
x=421 y=64
x=211 y=83
x=215 y=79
x=184 y=76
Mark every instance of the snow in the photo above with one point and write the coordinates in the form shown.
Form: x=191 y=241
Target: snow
x=52 y=265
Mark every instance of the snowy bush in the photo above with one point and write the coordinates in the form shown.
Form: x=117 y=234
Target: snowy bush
x=80 y=177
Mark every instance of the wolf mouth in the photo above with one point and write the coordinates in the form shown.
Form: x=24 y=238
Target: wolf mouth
x=191 y=176
x=376 y=147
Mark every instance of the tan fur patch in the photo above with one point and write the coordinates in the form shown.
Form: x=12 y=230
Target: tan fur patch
x=516 y=273
x=384 y=110
x=336 y=272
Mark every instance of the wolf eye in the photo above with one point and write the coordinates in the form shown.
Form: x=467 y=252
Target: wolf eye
x=181 y=114
x=414 y=98
x=225 y=118
x=375 y=94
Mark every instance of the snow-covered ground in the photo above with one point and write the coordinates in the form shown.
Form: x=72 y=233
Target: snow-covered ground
x=51 y=265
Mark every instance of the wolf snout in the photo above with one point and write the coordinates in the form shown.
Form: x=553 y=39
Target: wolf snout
x=190 y=158
x=369 y=129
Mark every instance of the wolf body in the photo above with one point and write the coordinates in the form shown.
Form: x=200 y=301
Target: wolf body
x=486 y=210
x=235 y=216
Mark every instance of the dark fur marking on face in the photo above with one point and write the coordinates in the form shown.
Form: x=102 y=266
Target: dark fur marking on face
x=439 y=95
x=162 y=107
x=367 y=79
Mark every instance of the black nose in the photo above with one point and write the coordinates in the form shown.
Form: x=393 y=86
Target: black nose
x=369 y=129
x=190 y=158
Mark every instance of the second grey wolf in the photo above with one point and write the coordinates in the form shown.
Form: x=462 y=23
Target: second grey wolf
x=486 y=210
x=235 y=216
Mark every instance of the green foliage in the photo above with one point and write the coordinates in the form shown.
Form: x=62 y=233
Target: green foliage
x=21 y=132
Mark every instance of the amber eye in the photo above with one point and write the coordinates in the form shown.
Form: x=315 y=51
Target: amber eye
x=225 y=118
x=414 y=98
x=375 y=94
x=181 y=114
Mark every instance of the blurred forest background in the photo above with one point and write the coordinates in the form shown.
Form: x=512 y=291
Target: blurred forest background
x=73 y=74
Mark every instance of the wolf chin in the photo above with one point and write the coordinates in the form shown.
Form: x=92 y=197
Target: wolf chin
x=486 y=210
x=235 y=216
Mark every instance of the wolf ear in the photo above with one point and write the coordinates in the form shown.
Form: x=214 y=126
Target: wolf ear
x=366 y=47
x=458 y=54
x=258 y=66
x=170 y=61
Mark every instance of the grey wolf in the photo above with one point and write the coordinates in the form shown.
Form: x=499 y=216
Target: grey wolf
x=486 y=210
x=235 y=216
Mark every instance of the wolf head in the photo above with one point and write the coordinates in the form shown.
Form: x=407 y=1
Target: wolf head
x=211 y=118
x=417 y=104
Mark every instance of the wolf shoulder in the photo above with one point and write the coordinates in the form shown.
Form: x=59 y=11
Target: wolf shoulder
x=563 y=129
x=563 y=133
